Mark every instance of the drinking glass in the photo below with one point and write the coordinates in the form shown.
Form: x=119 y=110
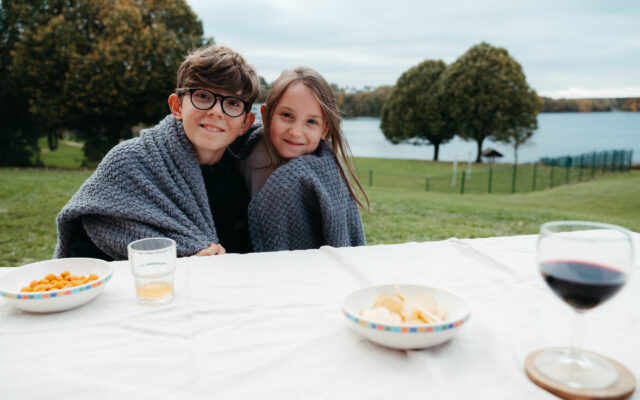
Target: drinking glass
x=585 y=264
x=153 y=262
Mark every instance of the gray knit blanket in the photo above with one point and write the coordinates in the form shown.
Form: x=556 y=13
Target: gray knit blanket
x=149 y=186
x=305 y=204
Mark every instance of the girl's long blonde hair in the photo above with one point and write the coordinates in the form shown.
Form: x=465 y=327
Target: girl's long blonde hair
x=325 y=97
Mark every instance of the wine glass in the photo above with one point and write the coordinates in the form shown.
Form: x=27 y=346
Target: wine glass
x=585 y=264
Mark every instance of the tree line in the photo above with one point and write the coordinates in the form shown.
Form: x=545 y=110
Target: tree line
x=590 y=105
x=368 y=102
x=99 y=68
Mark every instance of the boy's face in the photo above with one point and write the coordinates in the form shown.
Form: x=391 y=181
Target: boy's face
x=210 y=131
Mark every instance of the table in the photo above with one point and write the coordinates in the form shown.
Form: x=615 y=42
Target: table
x=270 y=326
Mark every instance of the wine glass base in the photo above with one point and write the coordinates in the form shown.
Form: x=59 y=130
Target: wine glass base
x=577 y=369
x=554 y=371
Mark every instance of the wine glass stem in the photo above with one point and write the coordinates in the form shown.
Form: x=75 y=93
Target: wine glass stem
x=577 y=334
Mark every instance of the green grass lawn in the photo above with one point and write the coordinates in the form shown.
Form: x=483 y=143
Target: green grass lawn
x=401 y=215
x=67 y=155
x=31 y=198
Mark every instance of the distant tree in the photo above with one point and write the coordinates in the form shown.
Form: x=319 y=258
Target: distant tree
x=488 y=95
x=632 y=104
x=100 y=67
x=414 y=112
x=264 y=91
x=361 y=103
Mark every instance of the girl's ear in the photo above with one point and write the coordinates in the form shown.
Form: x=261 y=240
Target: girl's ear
x=326 y=131
x=262 y=109
x=176 y=106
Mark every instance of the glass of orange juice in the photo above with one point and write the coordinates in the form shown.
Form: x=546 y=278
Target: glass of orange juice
x=153 y=262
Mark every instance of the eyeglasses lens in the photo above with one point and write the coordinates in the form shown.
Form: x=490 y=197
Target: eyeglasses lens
x=205 y=100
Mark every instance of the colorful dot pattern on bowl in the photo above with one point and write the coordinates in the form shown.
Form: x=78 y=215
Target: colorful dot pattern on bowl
x=57 y=293
x=406 y=329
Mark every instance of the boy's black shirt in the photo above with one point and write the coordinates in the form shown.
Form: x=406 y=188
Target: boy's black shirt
x=228 y=199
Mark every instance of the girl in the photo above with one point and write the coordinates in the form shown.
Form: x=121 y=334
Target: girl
x=299 y=171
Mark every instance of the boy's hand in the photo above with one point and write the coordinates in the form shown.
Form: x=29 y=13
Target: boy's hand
x=212 y=250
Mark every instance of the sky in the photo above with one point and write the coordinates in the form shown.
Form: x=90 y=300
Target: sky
x=567 y=49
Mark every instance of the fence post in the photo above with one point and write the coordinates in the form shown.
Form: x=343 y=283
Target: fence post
x=593 y=164
x=370 y=177
x=581 y=166
x=462 y=183
x=513 y=179
x=551 y=178
x=604 y=161
x=566 y=171
x=621 y=160
x=490 y=177
x=533 y=185
x=427 y=184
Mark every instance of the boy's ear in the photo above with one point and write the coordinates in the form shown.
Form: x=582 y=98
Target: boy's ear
x=176 y=106
x=248 y=121
x=262 y=109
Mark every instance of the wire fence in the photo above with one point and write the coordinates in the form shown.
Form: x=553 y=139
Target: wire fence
x=505 y=178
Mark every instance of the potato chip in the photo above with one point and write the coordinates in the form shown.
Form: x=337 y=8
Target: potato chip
x=381 y=314
x=400 y=308
x=392 y=303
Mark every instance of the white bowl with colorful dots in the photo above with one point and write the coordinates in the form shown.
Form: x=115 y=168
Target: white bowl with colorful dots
x=54 y=300
x=403 y=335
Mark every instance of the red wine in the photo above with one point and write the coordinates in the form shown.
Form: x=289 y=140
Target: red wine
x=581 y=284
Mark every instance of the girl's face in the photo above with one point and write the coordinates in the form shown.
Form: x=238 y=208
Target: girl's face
x=298 y=123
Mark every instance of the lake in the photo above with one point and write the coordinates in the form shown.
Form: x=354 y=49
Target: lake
x=558 y=134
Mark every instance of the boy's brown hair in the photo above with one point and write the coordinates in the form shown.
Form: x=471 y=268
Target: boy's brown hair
x=219 y=67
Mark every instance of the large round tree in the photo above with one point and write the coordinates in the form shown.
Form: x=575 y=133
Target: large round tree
x=414 y=113
x=488 y=96
x=100 y=67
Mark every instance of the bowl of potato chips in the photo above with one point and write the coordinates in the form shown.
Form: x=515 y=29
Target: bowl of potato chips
x=55 y=285
x=404 y=316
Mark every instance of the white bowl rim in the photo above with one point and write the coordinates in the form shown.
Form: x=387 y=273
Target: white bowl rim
x=59 y=292
x=407 y=328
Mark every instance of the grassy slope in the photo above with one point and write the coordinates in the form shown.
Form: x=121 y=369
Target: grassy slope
x=67 y=155
x=402 y=215
x=29 y=202
x=31 y=198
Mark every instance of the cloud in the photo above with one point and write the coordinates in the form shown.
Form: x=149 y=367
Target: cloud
x=582 y=93
x=561 y=45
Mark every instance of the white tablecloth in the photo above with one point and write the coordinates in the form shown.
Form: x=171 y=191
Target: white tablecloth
x=270 y=326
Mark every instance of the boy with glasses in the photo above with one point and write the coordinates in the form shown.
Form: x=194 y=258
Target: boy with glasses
x=177 y=179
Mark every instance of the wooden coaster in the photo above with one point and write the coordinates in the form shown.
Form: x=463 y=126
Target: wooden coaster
x=621 y=389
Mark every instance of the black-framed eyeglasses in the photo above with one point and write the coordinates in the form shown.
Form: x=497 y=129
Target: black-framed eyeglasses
x=204 y=99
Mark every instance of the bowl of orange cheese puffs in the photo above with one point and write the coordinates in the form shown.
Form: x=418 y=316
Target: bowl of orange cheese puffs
x=404 y=316
x=55 y=285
